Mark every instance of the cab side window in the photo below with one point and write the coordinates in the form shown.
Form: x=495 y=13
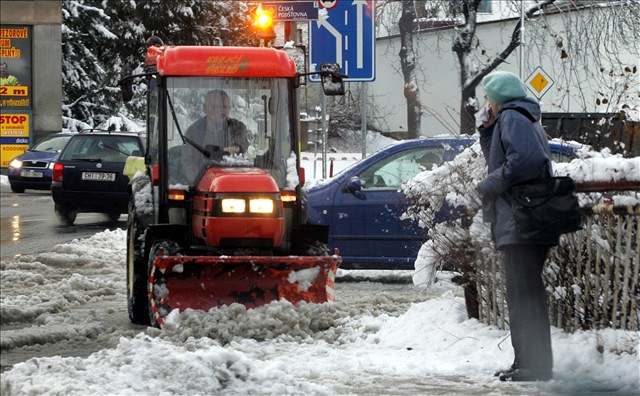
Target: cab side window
x=399 y=168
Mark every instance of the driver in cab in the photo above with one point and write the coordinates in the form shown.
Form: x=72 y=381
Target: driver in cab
x=216 y=128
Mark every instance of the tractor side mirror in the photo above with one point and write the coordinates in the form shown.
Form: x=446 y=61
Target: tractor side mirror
x=354 y=186
x=331 y=79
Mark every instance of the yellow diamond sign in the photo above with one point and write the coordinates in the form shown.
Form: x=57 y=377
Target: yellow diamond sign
x=539 y=82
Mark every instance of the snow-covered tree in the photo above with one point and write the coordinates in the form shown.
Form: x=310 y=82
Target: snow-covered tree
x=104 y=40
x=85 y=37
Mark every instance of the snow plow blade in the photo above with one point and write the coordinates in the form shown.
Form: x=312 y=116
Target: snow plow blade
x=204 y=282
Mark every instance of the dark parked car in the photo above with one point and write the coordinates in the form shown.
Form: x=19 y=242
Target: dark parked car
x=32 y=169
x=88 y=175
x=362 y=204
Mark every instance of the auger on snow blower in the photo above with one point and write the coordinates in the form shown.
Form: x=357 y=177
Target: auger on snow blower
x=216 y=213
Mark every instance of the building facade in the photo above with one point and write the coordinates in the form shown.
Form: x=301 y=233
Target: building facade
x=30 y=74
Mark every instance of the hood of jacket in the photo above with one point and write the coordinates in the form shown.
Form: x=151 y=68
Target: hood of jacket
x=529 y=105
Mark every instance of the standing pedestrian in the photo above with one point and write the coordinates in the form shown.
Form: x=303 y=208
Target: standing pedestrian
x=516 y=150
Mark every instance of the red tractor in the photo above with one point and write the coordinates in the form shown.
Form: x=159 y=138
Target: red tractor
x=217 y=212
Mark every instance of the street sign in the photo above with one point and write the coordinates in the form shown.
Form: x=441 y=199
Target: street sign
x=539 y=82
x=344 y=34
x=292 y=10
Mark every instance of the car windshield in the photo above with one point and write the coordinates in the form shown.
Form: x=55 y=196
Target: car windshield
x=105 y=148
x=54 y=144
x=227 y=122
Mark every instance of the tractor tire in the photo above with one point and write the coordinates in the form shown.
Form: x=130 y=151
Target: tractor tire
x=161 y=247
x=137 y=270
x=66 y=216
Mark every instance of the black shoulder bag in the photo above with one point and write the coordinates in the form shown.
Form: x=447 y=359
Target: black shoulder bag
x=546 y=206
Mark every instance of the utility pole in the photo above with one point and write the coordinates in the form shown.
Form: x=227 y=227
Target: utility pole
x=521 y=40
x=363 y=117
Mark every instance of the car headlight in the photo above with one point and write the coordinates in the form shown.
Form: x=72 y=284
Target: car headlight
x=261 y=205
x=16 y=163
x=233 y=205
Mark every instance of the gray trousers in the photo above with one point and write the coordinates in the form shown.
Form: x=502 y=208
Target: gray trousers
x=527 y=303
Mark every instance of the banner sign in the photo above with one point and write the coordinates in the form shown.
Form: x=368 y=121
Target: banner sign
x=15 y=132
x=15 y=91
x=11 y=151
x=15 y=67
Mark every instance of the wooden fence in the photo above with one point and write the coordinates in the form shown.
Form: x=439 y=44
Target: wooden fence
x=592 y=277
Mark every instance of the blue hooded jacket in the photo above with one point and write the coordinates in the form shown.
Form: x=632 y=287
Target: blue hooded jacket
x=516 y=150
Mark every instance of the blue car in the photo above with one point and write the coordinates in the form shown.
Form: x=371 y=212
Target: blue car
x=362 y=205
x=33 y=168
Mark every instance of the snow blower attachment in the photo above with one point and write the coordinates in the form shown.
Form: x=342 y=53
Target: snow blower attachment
x=204 y=282
x=217 y=216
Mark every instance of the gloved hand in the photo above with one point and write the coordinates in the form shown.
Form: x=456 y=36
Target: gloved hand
x=484 y=117
x=233 y=149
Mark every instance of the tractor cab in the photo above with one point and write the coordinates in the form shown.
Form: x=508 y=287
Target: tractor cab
x=217 y=216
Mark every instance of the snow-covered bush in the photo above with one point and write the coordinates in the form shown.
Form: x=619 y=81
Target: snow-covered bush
x=595 y=255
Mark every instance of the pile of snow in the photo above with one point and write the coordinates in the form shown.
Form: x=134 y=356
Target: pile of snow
x=432 y=339
x=613 y=168
x=278 y=320
x=145 y=365
x=51 y=282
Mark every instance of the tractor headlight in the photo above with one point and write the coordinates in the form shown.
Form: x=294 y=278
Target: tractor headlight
x=233 y=205
x=16 y=163
x=261 y=205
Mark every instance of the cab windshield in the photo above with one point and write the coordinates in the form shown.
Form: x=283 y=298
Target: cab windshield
x=228 y=122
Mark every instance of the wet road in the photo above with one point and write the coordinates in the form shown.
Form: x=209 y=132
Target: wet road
x=29 y=225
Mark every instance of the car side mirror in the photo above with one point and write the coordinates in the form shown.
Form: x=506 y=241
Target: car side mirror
x=126 y=85
x=354 y=186
x=332 y=83
x=126 y=88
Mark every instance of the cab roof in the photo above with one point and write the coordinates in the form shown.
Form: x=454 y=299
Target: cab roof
x=200 y=61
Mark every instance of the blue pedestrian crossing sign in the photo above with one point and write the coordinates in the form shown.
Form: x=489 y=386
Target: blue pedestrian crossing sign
x=344 y=34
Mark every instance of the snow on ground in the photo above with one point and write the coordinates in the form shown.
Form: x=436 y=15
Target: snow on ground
x=49 y=297
x=392 y=339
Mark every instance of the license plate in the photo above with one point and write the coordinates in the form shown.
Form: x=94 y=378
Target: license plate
x=30 y=173
x=98 y=176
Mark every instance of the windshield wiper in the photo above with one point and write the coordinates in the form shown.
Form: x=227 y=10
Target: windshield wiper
x=184 y=138
x=87 y=159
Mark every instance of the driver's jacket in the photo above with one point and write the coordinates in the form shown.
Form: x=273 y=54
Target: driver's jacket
x=234 y=133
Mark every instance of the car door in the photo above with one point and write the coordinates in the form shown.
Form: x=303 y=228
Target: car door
x=368 y=229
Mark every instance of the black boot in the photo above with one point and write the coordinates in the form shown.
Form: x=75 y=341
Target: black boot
x=505 y=371
x=522 y=374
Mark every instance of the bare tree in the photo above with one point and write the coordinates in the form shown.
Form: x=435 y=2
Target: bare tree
x=470 y=73
x=407 y=25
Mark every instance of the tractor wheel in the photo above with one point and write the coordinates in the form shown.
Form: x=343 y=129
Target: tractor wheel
x=160 y=247
x=137 y=272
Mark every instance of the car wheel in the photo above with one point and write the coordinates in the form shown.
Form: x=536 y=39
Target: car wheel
x=16 y=189
x=113 y=217
x=66 y=215
x=137 y=272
